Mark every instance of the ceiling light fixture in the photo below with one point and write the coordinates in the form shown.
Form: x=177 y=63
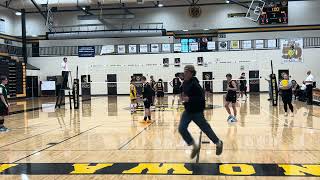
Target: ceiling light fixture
x=206 y=29
x=227 y=1
x=185 y=30
x=18 y=13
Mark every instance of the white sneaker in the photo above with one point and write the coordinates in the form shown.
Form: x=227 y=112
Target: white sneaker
x=285 y=114
x=229 y=118
x=292 y=114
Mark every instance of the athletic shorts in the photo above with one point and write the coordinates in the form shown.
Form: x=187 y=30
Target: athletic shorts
x=208 y=88
x=176 y=91
x=4 y=111
x=231 y=97
x=243 y=88
x=160 y=94
x=147 y=103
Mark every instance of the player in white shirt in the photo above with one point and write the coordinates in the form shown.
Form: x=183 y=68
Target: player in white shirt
x=65 y=73
x=309 y=83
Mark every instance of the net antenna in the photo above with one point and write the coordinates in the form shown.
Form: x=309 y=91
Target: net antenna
x=254 y=10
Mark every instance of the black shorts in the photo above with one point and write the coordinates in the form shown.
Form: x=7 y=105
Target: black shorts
x=153 y=93
x=4 y=111
x=208 y=88
x=147 y=103
x=231 y=97
x=176 y=91
x=243 y=88
x=160 y=94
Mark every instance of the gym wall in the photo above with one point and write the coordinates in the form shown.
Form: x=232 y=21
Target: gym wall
x=220 y=63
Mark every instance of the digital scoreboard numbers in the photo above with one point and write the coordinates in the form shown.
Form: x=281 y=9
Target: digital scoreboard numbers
x=274 y=12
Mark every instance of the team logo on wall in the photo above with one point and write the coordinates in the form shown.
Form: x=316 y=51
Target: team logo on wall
x=177 y=62
x=223 y=45
x=165 y=62
x=200 y=61
x=292 y=50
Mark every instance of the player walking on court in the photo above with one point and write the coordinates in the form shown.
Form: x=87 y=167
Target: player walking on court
x=4 y=104
x=243 y=86
x=231 y=97
x=286 y=91
x=147 y=99
x=176 y=84
x=133 y=97
x=194 y=103
x=159 y=87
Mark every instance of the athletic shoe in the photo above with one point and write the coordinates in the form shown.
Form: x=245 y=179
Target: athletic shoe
x=285 y=114
x=229 y=118
x=219 y=148
x=233 y=119
x=4 y=129
x=195 y=151
x=292 y=114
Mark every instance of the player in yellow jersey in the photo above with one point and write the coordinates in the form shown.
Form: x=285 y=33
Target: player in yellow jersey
x=133 y=97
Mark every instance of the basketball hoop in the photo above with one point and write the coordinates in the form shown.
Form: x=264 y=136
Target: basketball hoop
x=254 y=11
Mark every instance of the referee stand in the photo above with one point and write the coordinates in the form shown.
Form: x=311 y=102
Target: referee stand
x=73 y=92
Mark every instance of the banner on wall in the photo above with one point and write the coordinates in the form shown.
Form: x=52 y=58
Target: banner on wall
x=272 y=43
x=211 y=45
x=246 y=44
x=155 y=48
x=259 y=44
x=107 y=49
x=166 y=48
x=177 y=47
x=223 y=45
x=194 y=46
x=143 y=48
x=121 y=49
x=235 y=45
x=292 y=50
x=132 y=48
x=86 y=51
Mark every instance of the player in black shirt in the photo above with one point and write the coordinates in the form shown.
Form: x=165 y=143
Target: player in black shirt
x=231 y=97
x=147 y=98
x=159 y=87
x=152 y=84
x=176 y=84
x=4 y=104
x=243 y=85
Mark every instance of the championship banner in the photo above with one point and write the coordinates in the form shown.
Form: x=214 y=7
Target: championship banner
x=291 y=50
x=107 y=49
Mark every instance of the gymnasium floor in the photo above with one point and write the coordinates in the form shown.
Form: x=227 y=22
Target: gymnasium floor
x=103 y=131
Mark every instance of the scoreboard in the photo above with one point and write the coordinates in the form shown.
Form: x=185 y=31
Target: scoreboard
x=274 y=12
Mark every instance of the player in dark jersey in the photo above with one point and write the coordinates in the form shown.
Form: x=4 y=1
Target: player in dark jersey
x=152 y=84
x=147 y=98
x=231 y=97
x=176 y=84
x=159 y=87
x=4 y=104
x=243 y=86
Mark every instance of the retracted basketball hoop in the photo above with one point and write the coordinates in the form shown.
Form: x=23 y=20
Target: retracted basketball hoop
x=255 y=9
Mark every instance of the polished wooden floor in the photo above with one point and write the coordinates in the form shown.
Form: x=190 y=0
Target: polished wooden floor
x=103 y=130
